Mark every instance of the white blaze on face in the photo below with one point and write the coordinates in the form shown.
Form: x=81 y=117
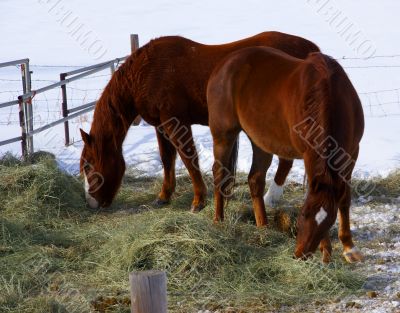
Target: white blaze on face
x=90 y=200
x=321 y=215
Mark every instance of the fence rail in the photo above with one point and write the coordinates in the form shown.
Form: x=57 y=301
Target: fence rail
x=25 y=111
x=25 y=100
x=15 y=62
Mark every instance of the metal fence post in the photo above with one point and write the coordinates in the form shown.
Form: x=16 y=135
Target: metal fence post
x=23 y=127
x=27 y=107
x=65 y=108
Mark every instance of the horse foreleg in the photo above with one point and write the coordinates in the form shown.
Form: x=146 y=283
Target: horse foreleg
x=260 y=164
x=275 y=190
x=168 y=156
x=326 y=248
x=182 y=140
x=350 y=252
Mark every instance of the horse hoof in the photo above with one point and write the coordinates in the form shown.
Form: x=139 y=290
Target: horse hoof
x=161 y=202
x=197 y=208
x=353 y=255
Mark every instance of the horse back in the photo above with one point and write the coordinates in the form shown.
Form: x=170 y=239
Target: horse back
x=266 y=93
x=174 y=71
x=252 y=89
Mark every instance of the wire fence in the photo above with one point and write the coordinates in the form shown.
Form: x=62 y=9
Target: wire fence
x=48 y=106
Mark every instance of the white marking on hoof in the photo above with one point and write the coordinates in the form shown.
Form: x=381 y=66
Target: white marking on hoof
x=353 y=255
x=352 y=251
x=273 y=194
x=321 y=215
x=93 y=203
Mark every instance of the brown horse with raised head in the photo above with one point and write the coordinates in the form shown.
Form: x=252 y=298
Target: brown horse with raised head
x=164 y=82
x=304 y=109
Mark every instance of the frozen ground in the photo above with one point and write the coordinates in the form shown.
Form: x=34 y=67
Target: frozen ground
x=376 y=229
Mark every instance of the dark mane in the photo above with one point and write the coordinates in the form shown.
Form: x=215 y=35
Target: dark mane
x=113 y=113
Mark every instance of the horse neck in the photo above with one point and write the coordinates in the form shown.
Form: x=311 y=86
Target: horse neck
x=113 y=116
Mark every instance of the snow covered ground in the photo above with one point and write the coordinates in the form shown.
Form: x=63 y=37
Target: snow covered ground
x=45 y=34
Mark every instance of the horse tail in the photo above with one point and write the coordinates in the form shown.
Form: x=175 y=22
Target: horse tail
x=232 y=166
x=233 y=159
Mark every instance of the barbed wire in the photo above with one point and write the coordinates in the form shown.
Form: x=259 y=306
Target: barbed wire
x=339 y=58
x=369 y=58
x=97 y=76
x=57 y=66
x=378 y=91
x=374 y=66
x=11 y=91
x=381 y=103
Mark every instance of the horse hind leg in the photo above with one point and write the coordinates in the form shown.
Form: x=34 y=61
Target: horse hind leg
x=275 y=190
x=223 y=170
x=168 y=156
x=260 y=164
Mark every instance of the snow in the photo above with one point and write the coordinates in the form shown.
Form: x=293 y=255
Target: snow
x=40 y=35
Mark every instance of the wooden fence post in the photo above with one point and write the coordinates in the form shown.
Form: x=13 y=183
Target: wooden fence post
x=148 y=292
x=134 y=42
x=134 y=47
x=22 y=123
x=64 y=108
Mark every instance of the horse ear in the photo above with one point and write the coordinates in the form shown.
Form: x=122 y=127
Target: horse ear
x=85 y=137
x=321 y=182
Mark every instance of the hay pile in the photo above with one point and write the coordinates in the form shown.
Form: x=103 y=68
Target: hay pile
x=58 y=256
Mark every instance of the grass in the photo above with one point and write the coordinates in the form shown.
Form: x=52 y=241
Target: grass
x=382 y=190
x=58 y=256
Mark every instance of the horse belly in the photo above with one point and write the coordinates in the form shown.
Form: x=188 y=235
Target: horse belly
x=272 y=136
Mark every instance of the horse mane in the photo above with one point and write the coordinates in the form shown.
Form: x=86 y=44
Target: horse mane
x=317 y=104
x=115 y=111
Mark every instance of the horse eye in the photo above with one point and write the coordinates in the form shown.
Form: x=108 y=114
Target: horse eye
x=305 y=214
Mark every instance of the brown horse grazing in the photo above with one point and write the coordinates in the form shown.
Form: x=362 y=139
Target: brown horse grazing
x=165 y=82
x=305 y=109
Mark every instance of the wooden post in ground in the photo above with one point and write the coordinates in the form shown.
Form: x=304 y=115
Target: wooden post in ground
x=148 y=292
x=134 y=47
x=64 y=107
x=134 y=42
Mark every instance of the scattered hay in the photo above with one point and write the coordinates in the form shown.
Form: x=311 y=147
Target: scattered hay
x=218 y=266
x=383 y=188
x=37 y=190
x=58 y=256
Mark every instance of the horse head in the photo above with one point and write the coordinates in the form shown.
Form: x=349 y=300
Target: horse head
x=103 y=167
x=317 y=216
